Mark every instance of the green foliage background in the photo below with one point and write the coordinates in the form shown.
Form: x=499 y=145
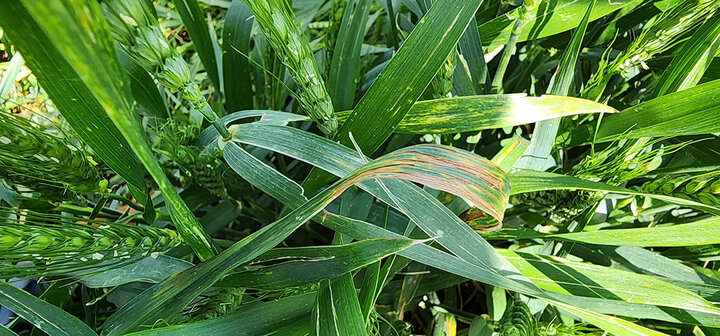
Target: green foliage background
x=360 y=167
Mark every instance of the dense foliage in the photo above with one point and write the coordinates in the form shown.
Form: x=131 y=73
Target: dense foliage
x=359 y=167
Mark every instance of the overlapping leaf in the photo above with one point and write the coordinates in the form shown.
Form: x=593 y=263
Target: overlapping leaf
x=41 y=314
x=651 y=297
x=445 y=168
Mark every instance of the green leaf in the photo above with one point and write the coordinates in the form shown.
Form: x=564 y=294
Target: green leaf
x=545 y=132
x=549 y=18
x=523 y=181
x=343 y=79
x=337 y=310
x=7 y=80
x=462 y=114
x=267 y=116
x=688 y=112
x=610 y=324
x=293 y=267
x=148 y=269
x=700 y=232
x=422 y=164
x=236 y=67
x=72 y=55
x=4 y=331
x=197 y=27
x=474 y=65
x=60 y=44
x=693 y=59
x=403 y=80
x=41 y=314
x=279 y=317
x=262 y=176
x=143 y=87
x=592 y=281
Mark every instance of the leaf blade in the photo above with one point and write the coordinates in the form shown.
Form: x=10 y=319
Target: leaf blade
x=43 y=315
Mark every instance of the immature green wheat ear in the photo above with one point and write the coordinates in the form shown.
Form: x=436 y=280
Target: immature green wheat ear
x=517 y=321
x=32 y=156
x=444 y=78
x=703 y=188
x=625 y=160
x=278 y=23
x=34 y=244
x=656 y=37
x=136 y=30
x=202 y=168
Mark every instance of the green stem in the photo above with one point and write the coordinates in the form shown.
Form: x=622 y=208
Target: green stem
x=508 y=51
x=523 y=18
x=212 y=117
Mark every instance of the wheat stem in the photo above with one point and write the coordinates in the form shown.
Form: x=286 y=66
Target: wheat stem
x=523 y=18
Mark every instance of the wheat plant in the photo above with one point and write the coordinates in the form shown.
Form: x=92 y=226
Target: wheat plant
x=359 y=167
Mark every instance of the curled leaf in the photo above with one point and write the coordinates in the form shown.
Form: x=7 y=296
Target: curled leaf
x=479 y=181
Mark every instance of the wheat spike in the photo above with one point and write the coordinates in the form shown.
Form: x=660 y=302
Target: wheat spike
x=31 y=156
x=34 y=243
x=280 y=27
x=138 y=33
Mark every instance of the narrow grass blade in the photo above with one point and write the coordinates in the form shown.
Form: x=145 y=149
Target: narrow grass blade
x=236 y=67
x=703 y=232
x=524 y=15
x=473 y=59
x=592 y=281
x=695 y=56
x=523 y=181
x=345 y=66
x=72 y=39
x=610 y=324
x=545 y=132
x=403 y=80
x=41 y=314
x=143 y=88
x=197 y=27
x=508 y=156
x=7 y=80
x=293 y=267
x=260 y=318
x=688 y=112
x=148 y=269
x=337 y=310
x=266 y=116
